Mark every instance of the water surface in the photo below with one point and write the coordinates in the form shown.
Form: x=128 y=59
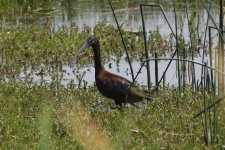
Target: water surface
x=55 y=14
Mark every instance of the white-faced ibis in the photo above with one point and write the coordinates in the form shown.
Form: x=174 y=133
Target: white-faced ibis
x=110 y=85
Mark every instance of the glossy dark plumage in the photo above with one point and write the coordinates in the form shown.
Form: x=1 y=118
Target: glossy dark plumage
x=110 y=85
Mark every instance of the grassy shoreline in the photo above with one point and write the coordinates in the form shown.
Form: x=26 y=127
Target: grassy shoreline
x=35 y=116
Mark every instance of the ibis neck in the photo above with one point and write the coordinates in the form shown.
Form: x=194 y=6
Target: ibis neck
x=97 y=57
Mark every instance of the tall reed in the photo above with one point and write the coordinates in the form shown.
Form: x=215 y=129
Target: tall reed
x=124 y=44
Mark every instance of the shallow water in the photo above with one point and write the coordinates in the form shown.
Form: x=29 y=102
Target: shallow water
x=90 y=13
x=69 y=75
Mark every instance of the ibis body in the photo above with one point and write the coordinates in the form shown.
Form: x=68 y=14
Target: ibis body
x=111 y=85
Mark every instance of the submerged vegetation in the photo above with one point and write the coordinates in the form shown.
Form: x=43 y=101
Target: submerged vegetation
x=35 y=47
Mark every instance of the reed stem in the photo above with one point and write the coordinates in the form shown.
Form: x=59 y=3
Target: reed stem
x=204 y=43
x=156 y=71
x=146 y=47
x=177 y=47
x=124 y=45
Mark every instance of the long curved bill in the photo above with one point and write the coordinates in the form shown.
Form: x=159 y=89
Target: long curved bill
x=73 y=60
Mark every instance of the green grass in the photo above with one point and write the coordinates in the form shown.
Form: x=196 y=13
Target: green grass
x=34 y=117
x=25 y=120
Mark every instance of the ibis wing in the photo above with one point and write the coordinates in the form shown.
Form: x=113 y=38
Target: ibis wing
x=118 y=88
x=115 y=87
